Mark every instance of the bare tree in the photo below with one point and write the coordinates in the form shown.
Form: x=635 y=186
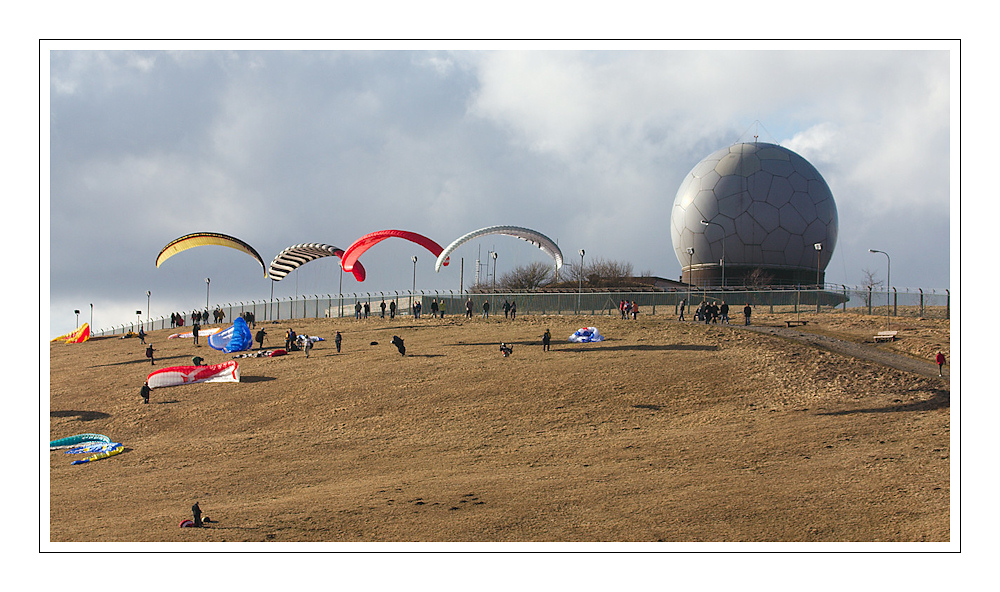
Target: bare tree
x=871 y=284
x=526 y=277
x=758 y=278
x=601 y=273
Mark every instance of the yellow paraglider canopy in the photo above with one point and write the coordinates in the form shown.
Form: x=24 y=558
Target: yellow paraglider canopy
x=198 y=239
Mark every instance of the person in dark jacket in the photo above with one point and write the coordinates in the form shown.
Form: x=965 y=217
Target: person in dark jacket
x=197 y=515
x=144 y=392
x=546 y=338
x=261 y=334
x=746 y=314
x=724 y=311
x=399 y=344
x=337 y=340
x=149 y=354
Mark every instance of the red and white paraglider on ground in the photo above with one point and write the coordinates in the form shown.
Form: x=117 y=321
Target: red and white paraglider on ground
x=178 y=375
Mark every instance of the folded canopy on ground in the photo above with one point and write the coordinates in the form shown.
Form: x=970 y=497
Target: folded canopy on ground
x=78 y=335
x=178 y=375
x=586 y=335
x=236 y=338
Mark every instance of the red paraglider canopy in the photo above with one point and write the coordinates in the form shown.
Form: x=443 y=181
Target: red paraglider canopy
x=354 y=252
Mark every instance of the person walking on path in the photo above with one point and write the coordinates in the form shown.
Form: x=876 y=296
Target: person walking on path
x=546 y=338
x=683 y=304
x=724 y=311
x=746 y=314
x=337 y=341
x=197 y=515
x=149 y=354
x=144 y=392
x=940 y=362
x=142 y=336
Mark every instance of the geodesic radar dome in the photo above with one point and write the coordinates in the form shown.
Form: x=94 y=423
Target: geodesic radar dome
x=766 y=203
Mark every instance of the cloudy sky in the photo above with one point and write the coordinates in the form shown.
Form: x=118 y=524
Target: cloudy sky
x=589 y=147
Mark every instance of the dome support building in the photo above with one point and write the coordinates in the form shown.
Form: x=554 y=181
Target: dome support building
x=753 y=214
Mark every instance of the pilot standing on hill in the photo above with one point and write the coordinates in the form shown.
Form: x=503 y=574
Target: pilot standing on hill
x=144 y=392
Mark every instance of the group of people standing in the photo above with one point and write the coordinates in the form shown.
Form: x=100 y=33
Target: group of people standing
x=629 y=308
x=713 y=312
x=177 y=319
x=362 y=311
x=509 y=308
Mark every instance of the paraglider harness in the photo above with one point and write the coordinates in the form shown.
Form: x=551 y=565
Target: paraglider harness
x=506 y=350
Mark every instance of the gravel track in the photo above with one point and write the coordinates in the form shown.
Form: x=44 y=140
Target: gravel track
x=848 y=348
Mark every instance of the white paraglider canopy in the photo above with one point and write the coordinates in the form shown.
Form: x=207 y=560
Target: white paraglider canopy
x=532 y=236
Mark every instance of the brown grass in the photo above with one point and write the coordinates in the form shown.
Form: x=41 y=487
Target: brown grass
x=666 y=431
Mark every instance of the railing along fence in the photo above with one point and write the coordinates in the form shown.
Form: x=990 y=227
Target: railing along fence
x=905 y=302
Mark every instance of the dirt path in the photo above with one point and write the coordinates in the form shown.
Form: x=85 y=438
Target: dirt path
x=848 y=348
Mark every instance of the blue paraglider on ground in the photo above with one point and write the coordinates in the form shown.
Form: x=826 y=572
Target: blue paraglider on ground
x=586 y=335
x=234 y=339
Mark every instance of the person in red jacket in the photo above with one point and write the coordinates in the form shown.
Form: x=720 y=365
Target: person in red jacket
x=940 y=362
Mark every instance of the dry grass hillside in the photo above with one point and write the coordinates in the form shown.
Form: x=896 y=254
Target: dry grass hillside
x=666 y=431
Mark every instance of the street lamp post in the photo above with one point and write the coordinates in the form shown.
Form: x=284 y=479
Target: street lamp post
x=208 y=287
x=579 y=293
x=148 y=294
x=91 y=317
x=494 y=289
x=888 y=284
x=819 y=253
x=77 y=312
x=690 y=251
x=706 y=223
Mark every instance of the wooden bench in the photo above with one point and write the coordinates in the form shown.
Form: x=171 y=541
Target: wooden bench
x=886 y=336
x=791 y=324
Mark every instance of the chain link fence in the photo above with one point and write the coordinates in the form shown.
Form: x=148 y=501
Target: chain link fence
x=861 y=300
